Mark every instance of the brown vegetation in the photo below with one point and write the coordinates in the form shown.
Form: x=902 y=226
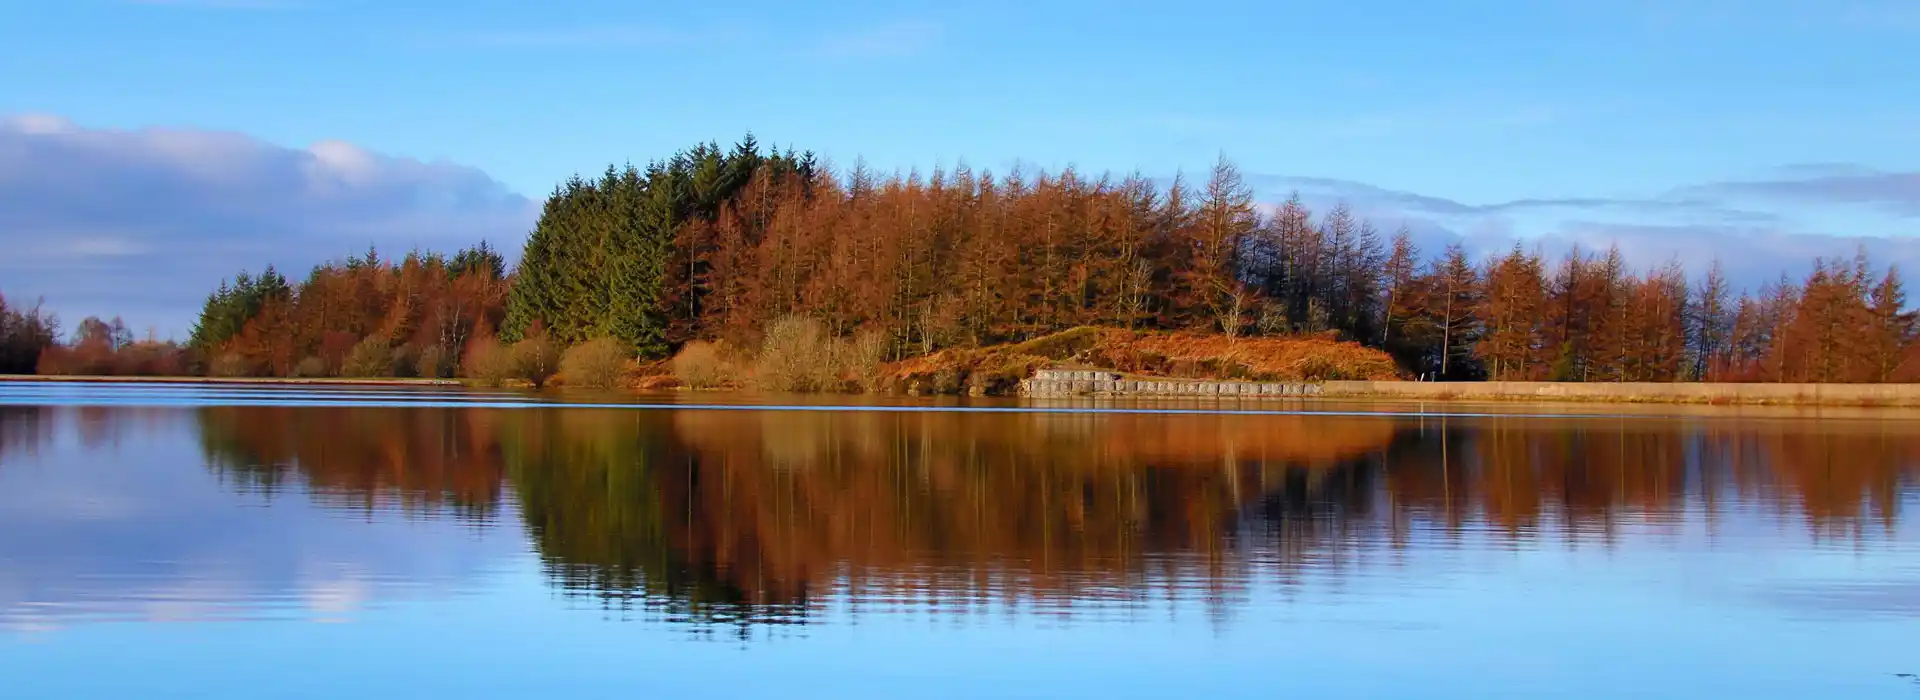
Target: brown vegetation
x=704 y=365
x=107 y=348
x=534 y=359
x=487 y=362
x=997 y=370
x=601 y=363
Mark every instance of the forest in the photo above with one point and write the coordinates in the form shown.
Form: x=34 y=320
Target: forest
x=715 y=246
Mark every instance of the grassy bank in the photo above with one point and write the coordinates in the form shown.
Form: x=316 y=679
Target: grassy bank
x=1700 y=393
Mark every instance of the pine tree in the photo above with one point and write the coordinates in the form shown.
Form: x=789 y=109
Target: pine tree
x=1894 y=327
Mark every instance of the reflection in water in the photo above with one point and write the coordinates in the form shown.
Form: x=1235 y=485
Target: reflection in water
x=899 y=554
x=22 y=430
x=765 y=518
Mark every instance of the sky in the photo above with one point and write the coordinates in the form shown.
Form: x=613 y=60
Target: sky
x=149 y=148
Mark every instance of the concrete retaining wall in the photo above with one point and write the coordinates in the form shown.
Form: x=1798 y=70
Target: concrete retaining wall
x=1058 y=383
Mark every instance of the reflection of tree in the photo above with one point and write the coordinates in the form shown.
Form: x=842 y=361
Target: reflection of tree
x=751 y=518
x=362 y=458
x=591 y=489
x=1583 y=477
x=23 y=429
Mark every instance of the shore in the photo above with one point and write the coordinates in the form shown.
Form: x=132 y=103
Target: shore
x=1753 y=394
x=1057 y=384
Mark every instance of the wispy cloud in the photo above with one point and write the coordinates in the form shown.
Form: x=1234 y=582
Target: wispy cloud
x=1758 y=228
x=1898 y=192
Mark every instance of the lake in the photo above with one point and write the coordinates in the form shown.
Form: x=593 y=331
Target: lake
x=329 y=542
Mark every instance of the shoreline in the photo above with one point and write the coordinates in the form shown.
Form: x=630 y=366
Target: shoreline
x=257 y=381
x=1644 y=393
x=1695 y=393
x=1061 y=383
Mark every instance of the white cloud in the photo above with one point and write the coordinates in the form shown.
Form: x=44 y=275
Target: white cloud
x=143 y=223
x=1758 y=228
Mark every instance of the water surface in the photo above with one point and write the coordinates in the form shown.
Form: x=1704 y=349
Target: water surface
x=327 y=542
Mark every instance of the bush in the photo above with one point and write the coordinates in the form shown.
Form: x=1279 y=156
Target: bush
x=701 y=365
x=534 y=359
x=403 y=361
x=864 y=360
x=797 y=355
x=371 y=357
x=600 y=363
x=230 y=365
x=488 y=362
x=310 y=367
x=433 y=363
x=150 y=358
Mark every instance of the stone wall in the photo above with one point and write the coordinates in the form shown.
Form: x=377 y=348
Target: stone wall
x=1057 y=383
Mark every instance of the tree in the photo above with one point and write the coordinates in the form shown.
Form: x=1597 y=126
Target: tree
x=1224 y=224
x=1457 y=288
x=1894 y=328
x=25 y=332
x=1509 y=310
x=1711 y=322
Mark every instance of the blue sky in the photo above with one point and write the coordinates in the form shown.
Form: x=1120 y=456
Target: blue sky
x=1564 y=120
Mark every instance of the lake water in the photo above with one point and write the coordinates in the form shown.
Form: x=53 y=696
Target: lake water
x=235 y=542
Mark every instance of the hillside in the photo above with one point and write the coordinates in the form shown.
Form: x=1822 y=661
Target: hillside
x=997 y=370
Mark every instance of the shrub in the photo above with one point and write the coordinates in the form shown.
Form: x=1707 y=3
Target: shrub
x=230 y=365
x=310 y=367
x=488 y=362
x=403 y=361
x=371 y=357
x=797 y=355
x=701 y=365
x=600 y=363
x=150 y=358
x=864 y=360
x=434 y=362
x=534 y=359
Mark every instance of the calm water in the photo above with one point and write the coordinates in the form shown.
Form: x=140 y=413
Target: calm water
x=241 y=542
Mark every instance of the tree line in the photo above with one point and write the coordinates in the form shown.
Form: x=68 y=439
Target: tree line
x=716 y=244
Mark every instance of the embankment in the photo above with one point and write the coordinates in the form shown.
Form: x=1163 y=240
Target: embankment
x=1066 y=383
x=1907 y=395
